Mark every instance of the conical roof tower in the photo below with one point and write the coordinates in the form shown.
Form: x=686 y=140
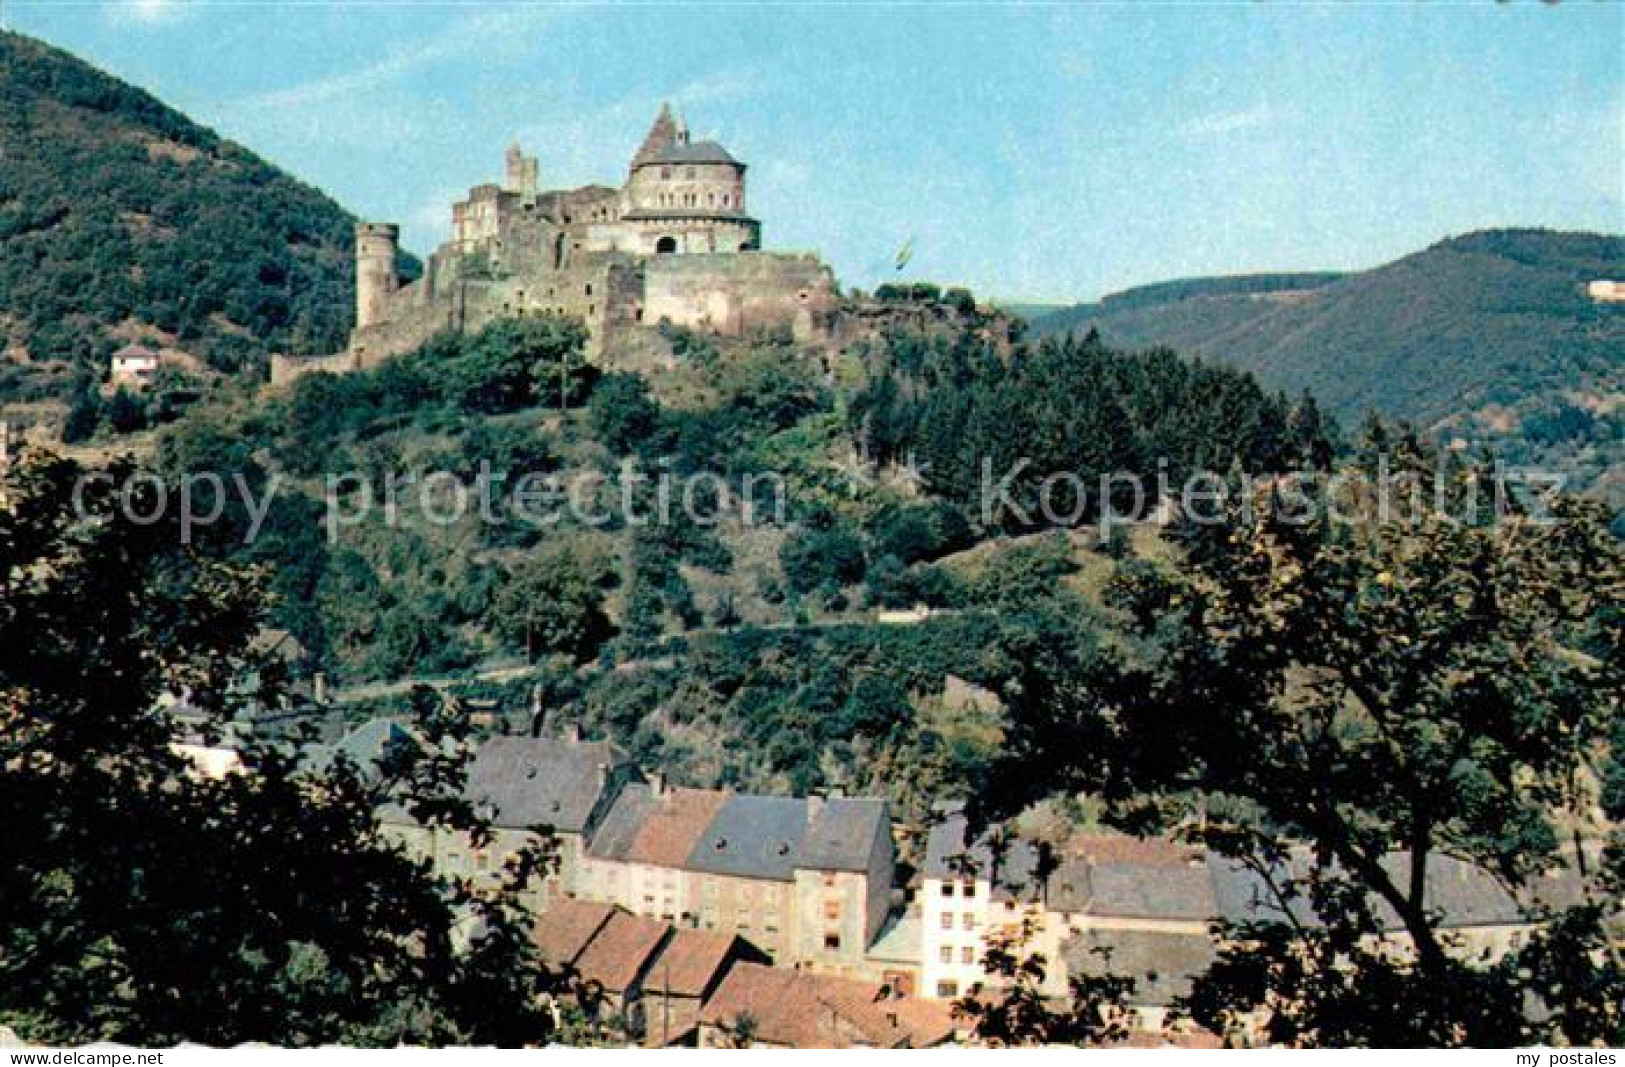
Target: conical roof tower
x=661 y=135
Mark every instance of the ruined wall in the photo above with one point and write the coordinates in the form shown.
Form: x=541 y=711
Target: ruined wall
x=740 y=292
x=285 y=369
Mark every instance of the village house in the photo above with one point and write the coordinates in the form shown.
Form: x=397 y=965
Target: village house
x=522 y=785
x=807 y=879
x=133 y=367
x=684 y=976
x=608 y=949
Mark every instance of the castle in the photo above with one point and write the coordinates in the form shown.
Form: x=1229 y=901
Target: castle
x=674 y=245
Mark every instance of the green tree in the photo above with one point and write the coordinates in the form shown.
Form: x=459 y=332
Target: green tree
x=1338 y=706
x=552 y=604
x=623 y=415
x=515 y=363
x=142 y=902
x=84 y=415
x=1014 y=1011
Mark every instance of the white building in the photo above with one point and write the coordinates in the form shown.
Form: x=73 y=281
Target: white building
x=134 y=366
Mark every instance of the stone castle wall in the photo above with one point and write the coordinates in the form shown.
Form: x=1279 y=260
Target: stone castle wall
x=741 y=292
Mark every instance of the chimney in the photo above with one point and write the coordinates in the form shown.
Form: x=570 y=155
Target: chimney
x=572 y=733
x=815 y=804
x=318 y=687
x=538 y=710
x=657 y=783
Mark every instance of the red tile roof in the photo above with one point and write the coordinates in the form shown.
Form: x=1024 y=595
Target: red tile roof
x=1121 y=848
x=693 y=960
x=621 y=950
x=668 y=835
x=802 y=1010
x=563 y=931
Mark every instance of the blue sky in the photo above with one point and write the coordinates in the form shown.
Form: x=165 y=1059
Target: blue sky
x=1040 y=151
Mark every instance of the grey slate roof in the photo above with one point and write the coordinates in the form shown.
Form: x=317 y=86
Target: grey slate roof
x=1141 y=891
x=613 y=838
x=1016 y=877
x=1464 y=895
x=366 y=746
x=753 y=837
x=946 y=854
x=529 y=781
x=1161 y=964
x=843 y=834
x=691 y=152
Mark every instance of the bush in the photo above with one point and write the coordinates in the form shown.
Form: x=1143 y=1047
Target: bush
x=622 y=413
x=815 y=558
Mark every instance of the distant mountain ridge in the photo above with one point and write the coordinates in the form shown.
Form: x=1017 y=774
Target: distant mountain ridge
x=1489 y=336
x=122 y=220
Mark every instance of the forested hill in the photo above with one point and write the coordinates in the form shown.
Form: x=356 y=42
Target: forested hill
x=122 y=220
x=1490 y=336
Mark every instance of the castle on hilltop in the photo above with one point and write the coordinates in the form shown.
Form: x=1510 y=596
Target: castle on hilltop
x=674 y=245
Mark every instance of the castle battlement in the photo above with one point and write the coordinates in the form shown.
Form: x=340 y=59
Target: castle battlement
x=673 y=245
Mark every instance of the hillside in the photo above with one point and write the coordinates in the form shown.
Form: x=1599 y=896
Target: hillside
x=121 y=220
x=1489 y=337
x=693 y=641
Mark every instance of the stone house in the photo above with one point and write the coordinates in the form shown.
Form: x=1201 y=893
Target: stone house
x=133 y=367
x=609 y=950
x=523 y=783
x=687 y=974
x=807 y=879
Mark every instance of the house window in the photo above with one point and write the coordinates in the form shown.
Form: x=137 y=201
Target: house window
x=947 y=920
x=947 y=889
x=665 y=172
x=832 y=941
x=946 y=953
x=969 y=920
x=947 y=990
x=829 y=881
x=832 y=910
x=970 y=890
x=967 y=955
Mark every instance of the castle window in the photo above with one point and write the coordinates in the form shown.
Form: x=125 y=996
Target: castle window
x=589 y=288
x=666 y=244
x=665 y=172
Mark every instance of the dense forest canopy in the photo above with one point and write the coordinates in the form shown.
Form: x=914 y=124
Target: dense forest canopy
x=1489 y=337
x=121 y=220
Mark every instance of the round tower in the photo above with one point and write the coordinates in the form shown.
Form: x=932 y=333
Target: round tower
x=375 y=278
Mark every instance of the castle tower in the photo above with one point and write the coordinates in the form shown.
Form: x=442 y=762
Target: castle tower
x=375 y=278
x=523 y=172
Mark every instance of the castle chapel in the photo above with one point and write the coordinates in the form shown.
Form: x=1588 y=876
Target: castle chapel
x=674 y=245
